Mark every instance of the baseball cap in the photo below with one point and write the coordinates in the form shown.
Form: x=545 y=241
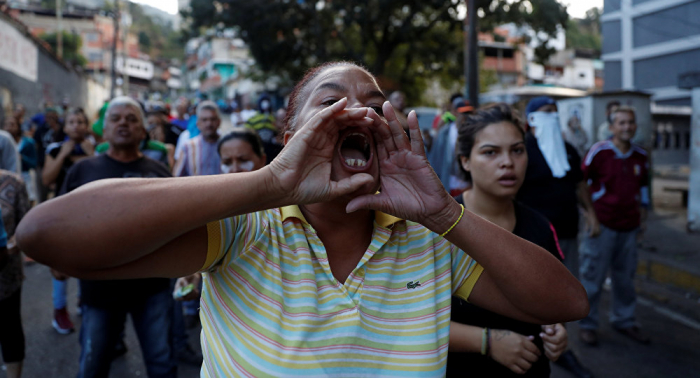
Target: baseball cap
x=463 y=106
x=537 y=103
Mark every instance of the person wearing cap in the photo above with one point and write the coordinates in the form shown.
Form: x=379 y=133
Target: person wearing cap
x=442 y=154
x=106 y=303
x=555 y=187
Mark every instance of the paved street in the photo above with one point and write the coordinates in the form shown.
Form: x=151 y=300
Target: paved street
x=674 y=352
x=50 y=355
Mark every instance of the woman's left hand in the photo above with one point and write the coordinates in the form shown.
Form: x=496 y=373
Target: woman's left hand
x=555 y=340
x=409 y=189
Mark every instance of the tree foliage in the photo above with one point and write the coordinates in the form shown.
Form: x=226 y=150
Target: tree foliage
x=585 y=33
x=71 y=47
x=156 y=38
x=407 y=43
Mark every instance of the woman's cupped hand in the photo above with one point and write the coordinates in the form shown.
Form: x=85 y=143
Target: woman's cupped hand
x=409 y=189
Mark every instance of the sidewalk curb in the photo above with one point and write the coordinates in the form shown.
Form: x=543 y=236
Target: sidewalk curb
x=661 y=272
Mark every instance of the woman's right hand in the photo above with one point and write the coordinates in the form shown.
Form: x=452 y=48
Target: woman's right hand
x=66 y=149
x=301 y=173
x=513 y=350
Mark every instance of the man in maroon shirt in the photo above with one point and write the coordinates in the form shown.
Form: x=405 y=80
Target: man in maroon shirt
x=617 y=173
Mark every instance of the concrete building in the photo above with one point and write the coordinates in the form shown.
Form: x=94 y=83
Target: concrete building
x=648 y=43
x=579 y=69
x=32 y=75
x=513 y=60
x=502 y=54
x=96 y=31
x=215 y=63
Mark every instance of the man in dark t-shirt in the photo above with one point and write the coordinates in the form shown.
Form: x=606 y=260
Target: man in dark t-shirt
x=105 y=303
x=554 y=186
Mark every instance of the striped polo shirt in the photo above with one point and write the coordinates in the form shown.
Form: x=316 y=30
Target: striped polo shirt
x=271 y=306
x=198 y=158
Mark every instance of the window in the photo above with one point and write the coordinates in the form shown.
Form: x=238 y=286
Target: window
x=92 y=37
x=95 y=57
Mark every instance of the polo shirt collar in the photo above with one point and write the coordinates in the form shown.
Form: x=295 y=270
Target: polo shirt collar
x=293 y=211
x=618 y=153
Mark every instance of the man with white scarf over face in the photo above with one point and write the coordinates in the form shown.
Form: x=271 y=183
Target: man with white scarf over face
x=554 y=186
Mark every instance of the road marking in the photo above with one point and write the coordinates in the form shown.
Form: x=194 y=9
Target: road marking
x=686 y=321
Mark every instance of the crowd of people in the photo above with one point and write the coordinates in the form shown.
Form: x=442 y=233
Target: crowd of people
x=361 y=248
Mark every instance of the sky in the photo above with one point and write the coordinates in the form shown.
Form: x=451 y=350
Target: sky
x=577 y=8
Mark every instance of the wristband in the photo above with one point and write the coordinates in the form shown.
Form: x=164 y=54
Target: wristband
x=488 y=341
x=484 y=342
x=453 y=226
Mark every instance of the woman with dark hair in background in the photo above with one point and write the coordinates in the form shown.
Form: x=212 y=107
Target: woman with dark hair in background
x=241 y=150
x=492 y=155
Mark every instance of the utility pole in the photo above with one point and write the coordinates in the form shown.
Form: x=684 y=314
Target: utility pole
x=115 y=38
x=126 y=22
x=691 y=80
x=59 y=34
x=472 y=65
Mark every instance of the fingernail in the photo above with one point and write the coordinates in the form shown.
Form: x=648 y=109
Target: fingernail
x=340 y=104
x=541 y=334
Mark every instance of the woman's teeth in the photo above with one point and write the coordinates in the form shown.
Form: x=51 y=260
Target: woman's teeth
x=355 y=162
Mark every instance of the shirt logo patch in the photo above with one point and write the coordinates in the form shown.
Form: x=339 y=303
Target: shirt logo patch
x=412 y=285
x=637 y=170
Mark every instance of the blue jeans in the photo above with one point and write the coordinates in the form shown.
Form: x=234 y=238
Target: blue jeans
x=60 y=290
x=570 y=247
x=102 y=328
x=615 y=250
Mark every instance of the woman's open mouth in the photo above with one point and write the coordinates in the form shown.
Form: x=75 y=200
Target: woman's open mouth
x=355 y=150
x=508 y=180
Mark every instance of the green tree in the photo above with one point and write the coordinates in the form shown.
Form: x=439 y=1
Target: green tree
x=406 y=43
x=71 y=47
x=144 y=40
x=585 y=33
x=156 y=38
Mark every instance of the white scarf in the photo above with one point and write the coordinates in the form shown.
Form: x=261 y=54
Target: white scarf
x=550 y=141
